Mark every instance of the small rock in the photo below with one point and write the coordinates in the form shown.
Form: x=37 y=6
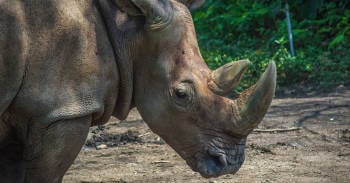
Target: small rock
x=101 y=146
x=294 y=144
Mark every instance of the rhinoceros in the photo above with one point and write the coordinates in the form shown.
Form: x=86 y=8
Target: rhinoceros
x=68 y=65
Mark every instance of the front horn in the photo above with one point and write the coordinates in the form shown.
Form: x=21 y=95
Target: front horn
x=254 y=102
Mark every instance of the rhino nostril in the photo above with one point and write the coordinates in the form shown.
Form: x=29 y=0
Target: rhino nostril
x=219 y=160
x=212 y=164
x=222 y=160
x=218 y=157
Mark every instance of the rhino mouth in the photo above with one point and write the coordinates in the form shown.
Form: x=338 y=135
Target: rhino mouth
x=218 y=159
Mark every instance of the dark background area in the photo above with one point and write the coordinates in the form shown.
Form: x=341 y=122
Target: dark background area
x=238 y=29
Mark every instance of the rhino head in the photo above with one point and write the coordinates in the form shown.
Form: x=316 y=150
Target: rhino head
x=178 y=96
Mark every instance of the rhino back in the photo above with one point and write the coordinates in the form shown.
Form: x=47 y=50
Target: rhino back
x=70 y=66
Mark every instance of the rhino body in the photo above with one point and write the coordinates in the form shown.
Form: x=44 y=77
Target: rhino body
x=67 y=65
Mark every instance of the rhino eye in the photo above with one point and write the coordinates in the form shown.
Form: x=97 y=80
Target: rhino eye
x=181 y=94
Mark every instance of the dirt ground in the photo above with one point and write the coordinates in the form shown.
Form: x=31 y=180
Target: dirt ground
x=317 y=151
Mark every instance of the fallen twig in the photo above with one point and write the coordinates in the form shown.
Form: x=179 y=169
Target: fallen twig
x=277 y=130
x=344 y=154
x=262 y=149
x=160 y=162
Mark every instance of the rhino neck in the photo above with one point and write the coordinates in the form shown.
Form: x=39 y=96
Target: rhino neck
x=121 y=30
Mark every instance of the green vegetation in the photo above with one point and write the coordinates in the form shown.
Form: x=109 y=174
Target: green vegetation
x=237 y=29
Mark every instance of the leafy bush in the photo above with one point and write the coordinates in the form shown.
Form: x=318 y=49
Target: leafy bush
x=237 y=29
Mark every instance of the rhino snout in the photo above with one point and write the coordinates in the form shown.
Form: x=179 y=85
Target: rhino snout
x=219 y=159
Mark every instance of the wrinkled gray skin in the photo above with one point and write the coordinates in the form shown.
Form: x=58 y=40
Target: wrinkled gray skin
x=67 y=65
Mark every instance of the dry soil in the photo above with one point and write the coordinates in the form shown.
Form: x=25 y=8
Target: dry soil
x=317 y=151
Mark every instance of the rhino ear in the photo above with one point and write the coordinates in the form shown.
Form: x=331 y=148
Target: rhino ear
x=192 y=4
x=128 y=7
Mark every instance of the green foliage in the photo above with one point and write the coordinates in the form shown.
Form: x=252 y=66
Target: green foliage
x=238 y=29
